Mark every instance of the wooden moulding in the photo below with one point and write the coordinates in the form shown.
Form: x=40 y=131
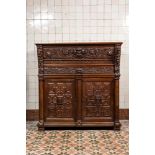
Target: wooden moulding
x=33 y=115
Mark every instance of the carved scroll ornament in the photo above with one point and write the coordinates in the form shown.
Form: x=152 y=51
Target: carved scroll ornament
x=40 y=59
x=117 y=61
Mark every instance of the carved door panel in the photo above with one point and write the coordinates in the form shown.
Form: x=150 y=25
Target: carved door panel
x=59 y=100
x=97 y=100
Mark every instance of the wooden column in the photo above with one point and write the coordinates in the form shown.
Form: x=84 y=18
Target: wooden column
x=79 y=97
x=117 y=123
x=41 y=87
x=41 y=104
x=117 y=76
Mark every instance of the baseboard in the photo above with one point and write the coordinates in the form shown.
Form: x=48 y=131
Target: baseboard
x=124 y=114
x=33 y=114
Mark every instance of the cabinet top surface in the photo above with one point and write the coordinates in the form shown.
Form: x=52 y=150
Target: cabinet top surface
x=81 y=43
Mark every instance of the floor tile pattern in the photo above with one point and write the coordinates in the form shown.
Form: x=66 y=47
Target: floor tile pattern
x=76 y=142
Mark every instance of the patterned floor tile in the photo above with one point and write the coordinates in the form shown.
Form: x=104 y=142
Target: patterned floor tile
x=77 y=142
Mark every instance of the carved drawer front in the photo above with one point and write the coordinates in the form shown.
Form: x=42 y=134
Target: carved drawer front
x=79 y=69
x=59 y=99
x=78 y=52
x=97 y=102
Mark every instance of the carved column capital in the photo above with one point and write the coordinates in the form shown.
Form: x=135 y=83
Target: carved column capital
x=40 y=59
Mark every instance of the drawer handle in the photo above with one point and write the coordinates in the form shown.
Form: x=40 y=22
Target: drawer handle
x=79 y=70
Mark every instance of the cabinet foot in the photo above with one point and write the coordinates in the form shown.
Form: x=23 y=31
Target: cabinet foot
x=40 y=126
x=117 y=126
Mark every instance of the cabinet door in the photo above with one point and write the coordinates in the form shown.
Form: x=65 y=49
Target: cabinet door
x=59 y=100
x=97 y=100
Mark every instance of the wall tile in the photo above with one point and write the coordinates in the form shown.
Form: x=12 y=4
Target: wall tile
x=65 y=2
x=66 y=37
x=109 y=2
x=37 y=38
x=122 y=2
x=44 y=15
x=37 y=15
x=30 y=105
x=44 y=5
x=44 y=38
x=29 y=12
x=50 y=6
x=93 y=2
x=30 y=26
x=44 y=26
x=36 y=5
x=37 y=26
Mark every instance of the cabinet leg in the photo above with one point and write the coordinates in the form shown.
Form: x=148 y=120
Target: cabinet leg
x=40 y=126
x=117 y=126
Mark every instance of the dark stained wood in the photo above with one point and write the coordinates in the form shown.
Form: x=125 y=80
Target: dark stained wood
x=79 y=84
x=117 y=123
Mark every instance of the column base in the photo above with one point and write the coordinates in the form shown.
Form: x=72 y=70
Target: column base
x=41 y=126
x=117 y=126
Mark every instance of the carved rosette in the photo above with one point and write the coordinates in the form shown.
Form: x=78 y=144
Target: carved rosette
x=117 y=60
x=40 y=59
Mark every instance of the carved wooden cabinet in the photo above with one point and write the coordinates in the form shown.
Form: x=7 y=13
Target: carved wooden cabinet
x=79 y=84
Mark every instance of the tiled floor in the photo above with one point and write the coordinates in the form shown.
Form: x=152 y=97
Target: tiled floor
x=77 y=142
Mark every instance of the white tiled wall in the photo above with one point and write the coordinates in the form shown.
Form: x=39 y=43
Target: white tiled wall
x=51 y=21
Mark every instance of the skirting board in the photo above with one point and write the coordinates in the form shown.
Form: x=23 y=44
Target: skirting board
x=33 y=114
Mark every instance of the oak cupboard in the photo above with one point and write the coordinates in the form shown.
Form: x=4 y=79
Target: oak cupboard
x=79 y=84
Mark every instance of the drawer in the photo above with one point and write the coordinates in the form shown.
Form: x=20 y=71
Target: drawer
x=78 y=52
x=109 y=69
